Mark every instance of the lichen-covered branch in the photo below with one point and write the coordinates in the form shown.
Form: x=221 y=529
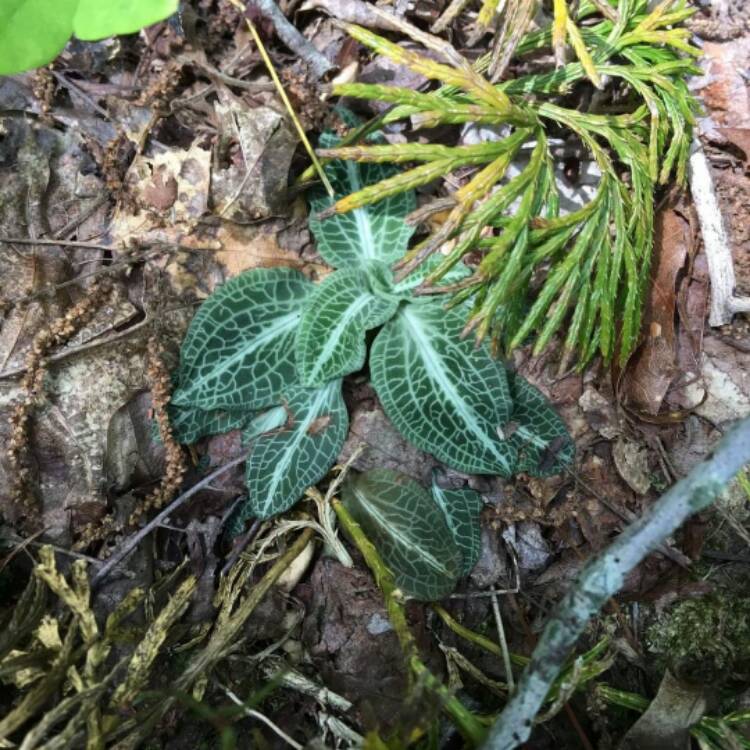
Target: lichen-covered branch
x=604 y=576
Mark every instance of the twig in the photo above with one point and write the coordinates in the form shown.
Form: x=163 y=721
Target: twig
x=503 y=643
x=318 y=62
x=65 y=353
x=449 y=15
x=724 y=303
x=241 y=544
x=78 y=91
x=252 y=714
x=132 y=542
x=605 y=575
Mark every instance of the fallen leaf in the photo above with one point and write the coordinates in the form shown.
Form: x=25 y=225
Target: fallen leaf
x=723 y=393
x=739 y=137
x=254 y=154
x=167 y=194
x=724 y=90
x=351 y=11
x=631 y=461
x=653 y=367
x=666 y=723
x=244 y=247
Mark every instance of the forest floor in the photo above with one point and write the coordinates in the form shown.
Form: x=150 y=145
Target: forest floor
x=162 y=162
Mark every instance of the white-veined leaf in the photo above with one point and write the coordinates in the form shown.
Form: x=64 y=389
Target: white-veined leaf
x=543 y=443
x=288 y=456
x=461 y=509
x=239 y=350
x=445 y=395
x=407 y=528
x=376 y=232
x=330 y=340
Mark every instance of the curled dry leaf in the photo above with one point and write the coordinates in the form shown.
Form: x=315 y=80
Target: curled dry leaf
x=653 y=367
x=666 y=723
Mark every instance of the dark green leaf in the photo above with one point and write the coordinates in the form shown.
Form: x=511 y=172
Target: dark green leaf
x=444 y=394
x=377 y=232
x=190 y=424
x=461 y=509
x=331 y=336
x=408 y=530
x=536 y=430
x=288 y=456
x=239 y=350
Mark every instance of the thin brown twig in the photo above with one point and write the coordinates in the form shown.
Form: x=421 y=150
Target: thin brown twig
x=133 y=541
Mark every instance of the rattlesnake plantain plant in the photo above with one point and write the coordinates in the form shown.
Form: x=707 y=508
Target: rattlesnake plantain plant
x=268 y=350
x=624 y=100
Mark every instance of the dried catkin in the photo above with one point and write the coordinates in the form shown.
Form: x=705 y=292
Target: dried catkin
x=56 y=334
x=176 y=464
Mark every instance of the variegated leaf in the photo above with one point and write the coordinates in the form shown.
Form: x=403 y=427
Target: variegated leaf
x=377 y=232
x=461 y=509
x=444 y=394
x=330 y=339
x=408 y=530
x=543 y=443
x=287 y=457
x=239 y=350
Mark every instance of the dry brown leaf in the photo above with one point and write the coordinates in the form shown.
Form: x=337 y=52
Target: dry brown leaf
x=725 y=93
x=666 y=723
x=251 y=161
x=631 y=461
x=653 y=367
x=739 y=137
x=245 y=247
x=725 y=383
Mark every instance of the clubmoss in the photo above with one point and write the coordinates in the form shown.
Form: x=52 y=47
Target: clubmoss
x=704 y=639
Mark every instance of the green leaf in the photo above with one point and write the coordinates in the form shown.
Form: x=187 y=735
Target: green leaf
x=407 y=528
x=330 y=339
x=285 y=458
x=377 y=232
x=96 y=19
x=34 y=32
x=461 y=509
x=25 y=42
x=543 y=443
x=445 y=395
x=189 y=424
x=239 y=350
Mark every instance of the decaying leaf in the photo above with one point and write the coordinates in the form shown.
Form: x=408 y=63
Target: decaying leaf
x=251 y=162
x=167 y=195
x=631 y=461
x=653 y=367
x=666 y=723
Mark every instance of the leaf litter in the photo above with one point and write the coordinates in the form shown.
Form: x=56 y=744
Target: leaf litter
x=197 y=193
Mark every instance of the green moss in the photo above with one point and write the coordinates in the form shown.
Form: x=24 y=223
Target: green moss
x=704 y=639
